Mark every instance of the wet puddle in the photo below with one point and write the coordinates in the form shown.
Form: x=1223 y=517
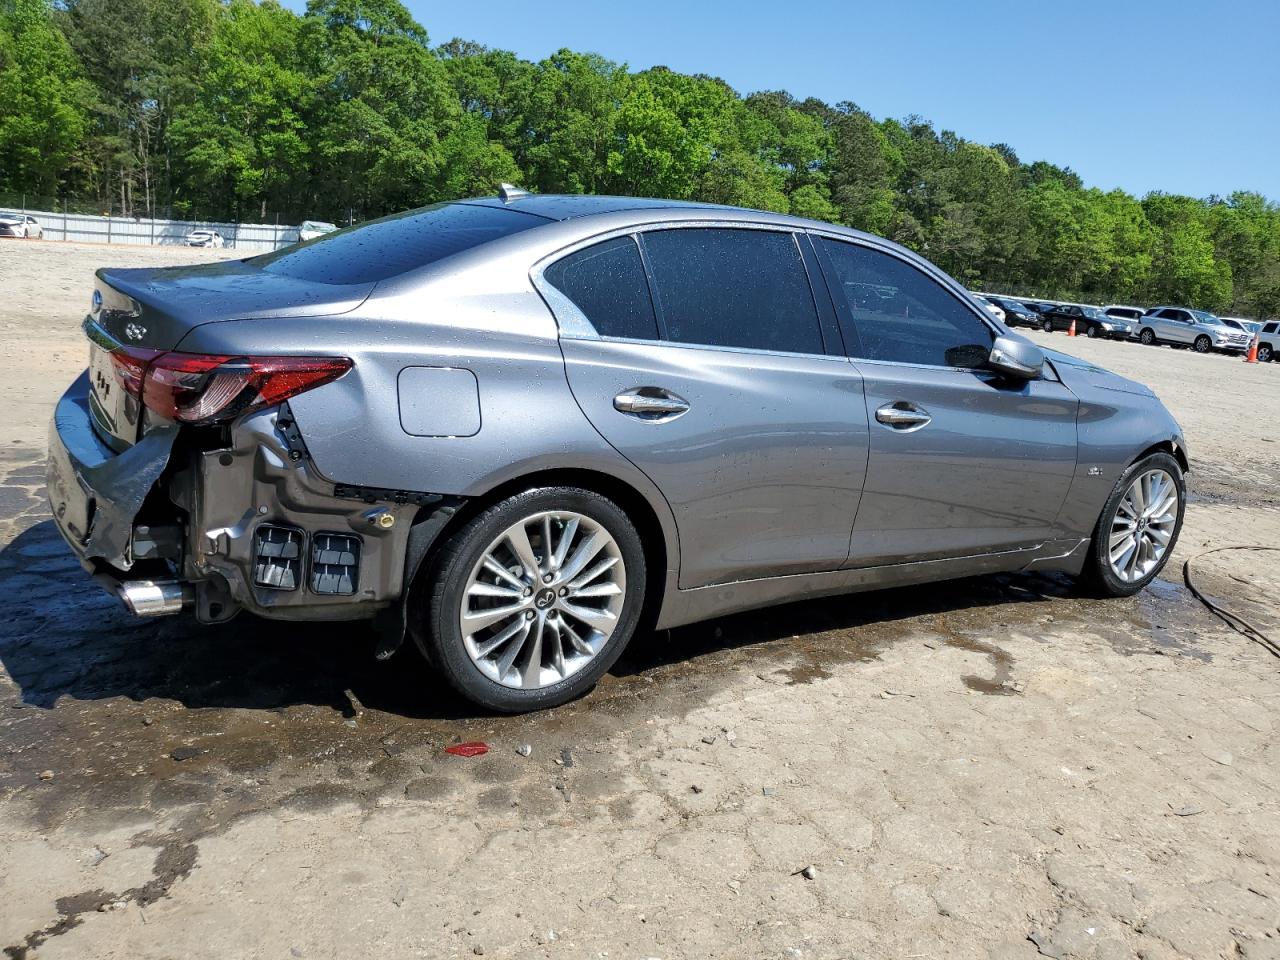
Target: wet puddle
x=127 y=719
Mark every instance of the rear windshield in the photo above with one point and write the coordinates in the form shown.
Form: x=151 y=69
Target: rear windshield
x=394 y=245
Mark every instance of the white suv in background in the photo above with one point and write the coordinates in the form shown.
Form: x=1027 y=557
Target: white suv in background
x=1184 y=327
x=1268 y=341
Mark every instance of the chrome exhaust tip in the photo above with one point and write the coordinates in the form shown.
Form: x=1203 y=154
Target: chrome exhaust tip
x=154 y=598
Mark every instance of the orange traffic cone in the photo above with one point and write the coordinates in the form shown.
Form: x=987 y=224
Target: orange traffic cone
x=1072 y=331
x=1252 y=355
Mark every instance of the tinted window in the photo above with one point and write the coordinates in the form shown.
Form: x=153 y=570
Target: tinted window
x=607 y=283
x=1269 y=328
x=900 y=314
x=394 y=245
x=734 y=288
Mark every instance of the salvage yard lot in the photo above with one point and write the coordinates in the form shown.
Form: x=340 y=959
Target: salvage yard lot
x=988 y=768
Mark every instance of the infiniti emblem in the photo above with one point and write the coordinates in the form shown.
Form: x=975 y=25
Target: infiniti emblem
x=97 y=301
x=545 y=598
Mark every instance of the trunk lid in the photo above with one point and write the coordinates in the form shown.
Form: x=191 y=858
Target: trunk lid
x=155 y=308
x=138 y=314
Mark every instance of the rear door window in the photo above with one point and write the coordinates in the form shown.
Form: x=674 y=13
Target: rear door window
x=733 y=288
x=381 y=249
x=606 y=282
x=895 y=312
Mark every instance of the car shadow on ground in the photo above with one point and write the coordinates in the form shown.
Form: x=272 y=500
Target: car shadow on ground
x=64 y=637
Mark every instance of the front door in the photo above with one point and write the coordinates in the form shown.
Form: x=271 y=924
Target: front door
x=725 y=395
x=962 y=462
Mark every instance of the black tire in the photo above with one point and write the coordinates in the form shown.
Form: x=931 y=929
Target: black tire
x=1046 y=326
x=1097 y=576
x=1265 y=354
x=1147 y=336
x=1091 y=332
x=1202 y=344
x=442 y=641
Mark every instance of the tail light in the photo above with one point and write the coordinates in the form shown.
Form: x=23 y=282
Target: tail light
x=199 y=388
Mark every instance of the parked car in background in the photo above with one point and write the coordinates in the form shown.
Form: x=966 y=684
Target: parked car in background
x=987 y=305
x=205 y=238
x=20 y=225
x=520 y=426
x=1016 y=313
x=1268 y=341
x=1089 y=321
x=1251 y=327
x=310 y=229
x=1184 y=327
x=1124 y=312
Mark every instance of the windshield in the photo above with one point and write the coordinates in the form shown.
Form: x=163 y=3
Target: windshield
x=1204 y=317
x=1094 y=313
x=397 y=244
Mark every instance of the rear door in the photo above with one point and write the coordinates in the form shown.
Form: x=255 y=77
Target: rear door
x=725 y=385
x=962 y=462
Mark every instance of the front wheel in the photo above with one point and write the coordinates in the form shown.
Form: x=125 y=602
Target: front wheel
x=1202 y=344
x=1147 y=336
x=1138 y=527
x=535 y=598
x=1091 y=332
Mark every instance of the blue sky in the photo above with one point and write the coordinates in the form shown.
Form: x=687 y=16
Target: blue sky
x=1140 y=94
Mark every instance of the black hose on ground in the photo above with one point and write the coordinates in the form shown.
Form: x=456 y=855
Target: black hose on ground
x=1233 y=620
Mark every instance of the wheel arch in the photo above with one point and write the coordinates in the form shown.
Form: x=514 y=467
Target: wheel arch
x=654 y=523
x=1172 y=447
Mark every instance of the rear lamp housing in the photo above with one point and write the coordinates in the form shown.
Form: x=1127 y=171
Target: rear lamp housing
x=202 y=388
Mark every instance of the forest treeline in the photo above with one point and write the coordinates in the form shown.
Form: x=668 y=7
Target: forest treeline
x=245 y=110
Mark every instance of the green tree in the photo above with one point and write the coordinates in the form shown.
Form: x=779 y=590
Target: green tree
x=242 y=140
x=44 y=101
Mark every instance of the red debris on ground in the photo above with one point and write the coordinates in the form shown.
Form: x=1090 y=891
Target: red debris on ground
x=473 y=749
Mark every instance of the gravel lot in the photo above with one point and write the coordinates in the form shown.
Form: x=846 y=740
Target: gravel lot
x=988 y=768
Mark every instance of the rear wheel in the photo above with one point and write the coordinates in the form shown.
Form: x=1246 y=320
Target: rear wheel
x=1138 y=527
x=1046 y=326
x=1202 y=344
x=535 y=598
x=1147 y=336
x=1264 y=352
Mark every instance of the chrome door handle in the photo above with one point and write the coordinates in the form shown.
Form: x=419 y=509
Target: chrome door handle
x=902 y=415
x=650 y=403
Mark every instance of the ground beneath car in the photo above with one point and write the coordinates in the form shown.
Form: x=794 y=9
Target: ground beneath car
x=988 y=768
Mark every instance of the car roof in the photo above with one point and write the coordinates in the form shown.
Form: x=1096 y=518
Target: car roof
x=558 y=206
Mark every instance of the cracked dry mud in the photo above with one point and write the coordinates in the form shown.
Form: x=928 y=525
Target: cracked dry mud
x=989 y=768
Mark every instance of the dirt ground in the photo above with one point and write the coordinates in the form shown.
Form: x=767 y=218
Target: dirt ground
x=992 y=768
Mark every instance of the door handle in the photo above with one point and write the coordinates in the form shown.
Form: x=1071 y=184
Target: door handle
x=903 y=415
x=651 y=403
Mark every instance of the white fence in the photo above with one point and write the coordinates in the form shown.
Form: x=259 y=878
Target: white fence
x=252 y=237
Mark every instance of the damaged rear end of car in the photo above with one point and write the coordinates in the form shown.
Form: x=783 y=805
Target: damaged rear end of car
x=179 y=477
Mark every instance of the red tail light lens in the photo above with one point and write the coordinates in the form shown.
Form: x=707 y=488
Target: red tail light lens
x=130 y=365
x=200 y=388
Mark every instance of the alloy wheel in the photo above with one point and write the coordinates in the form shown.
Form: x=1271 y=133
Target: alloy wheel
x=1264 y=354
x=1147 y=337
x=543 y=599
x=1143 y=525
x=1202 y=344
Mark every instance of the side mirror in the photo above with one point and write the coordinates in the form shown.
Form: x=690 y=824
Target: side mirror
x=1016 y=357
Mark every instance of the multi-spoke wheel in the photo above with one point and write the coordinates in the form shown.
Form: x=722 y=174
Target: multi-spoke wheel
x=1202 y=344
x=535 y=598
x=1138 y=527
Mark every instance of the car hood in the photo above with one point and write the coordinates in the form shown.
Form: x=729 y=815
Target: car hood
x=1081 y=376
